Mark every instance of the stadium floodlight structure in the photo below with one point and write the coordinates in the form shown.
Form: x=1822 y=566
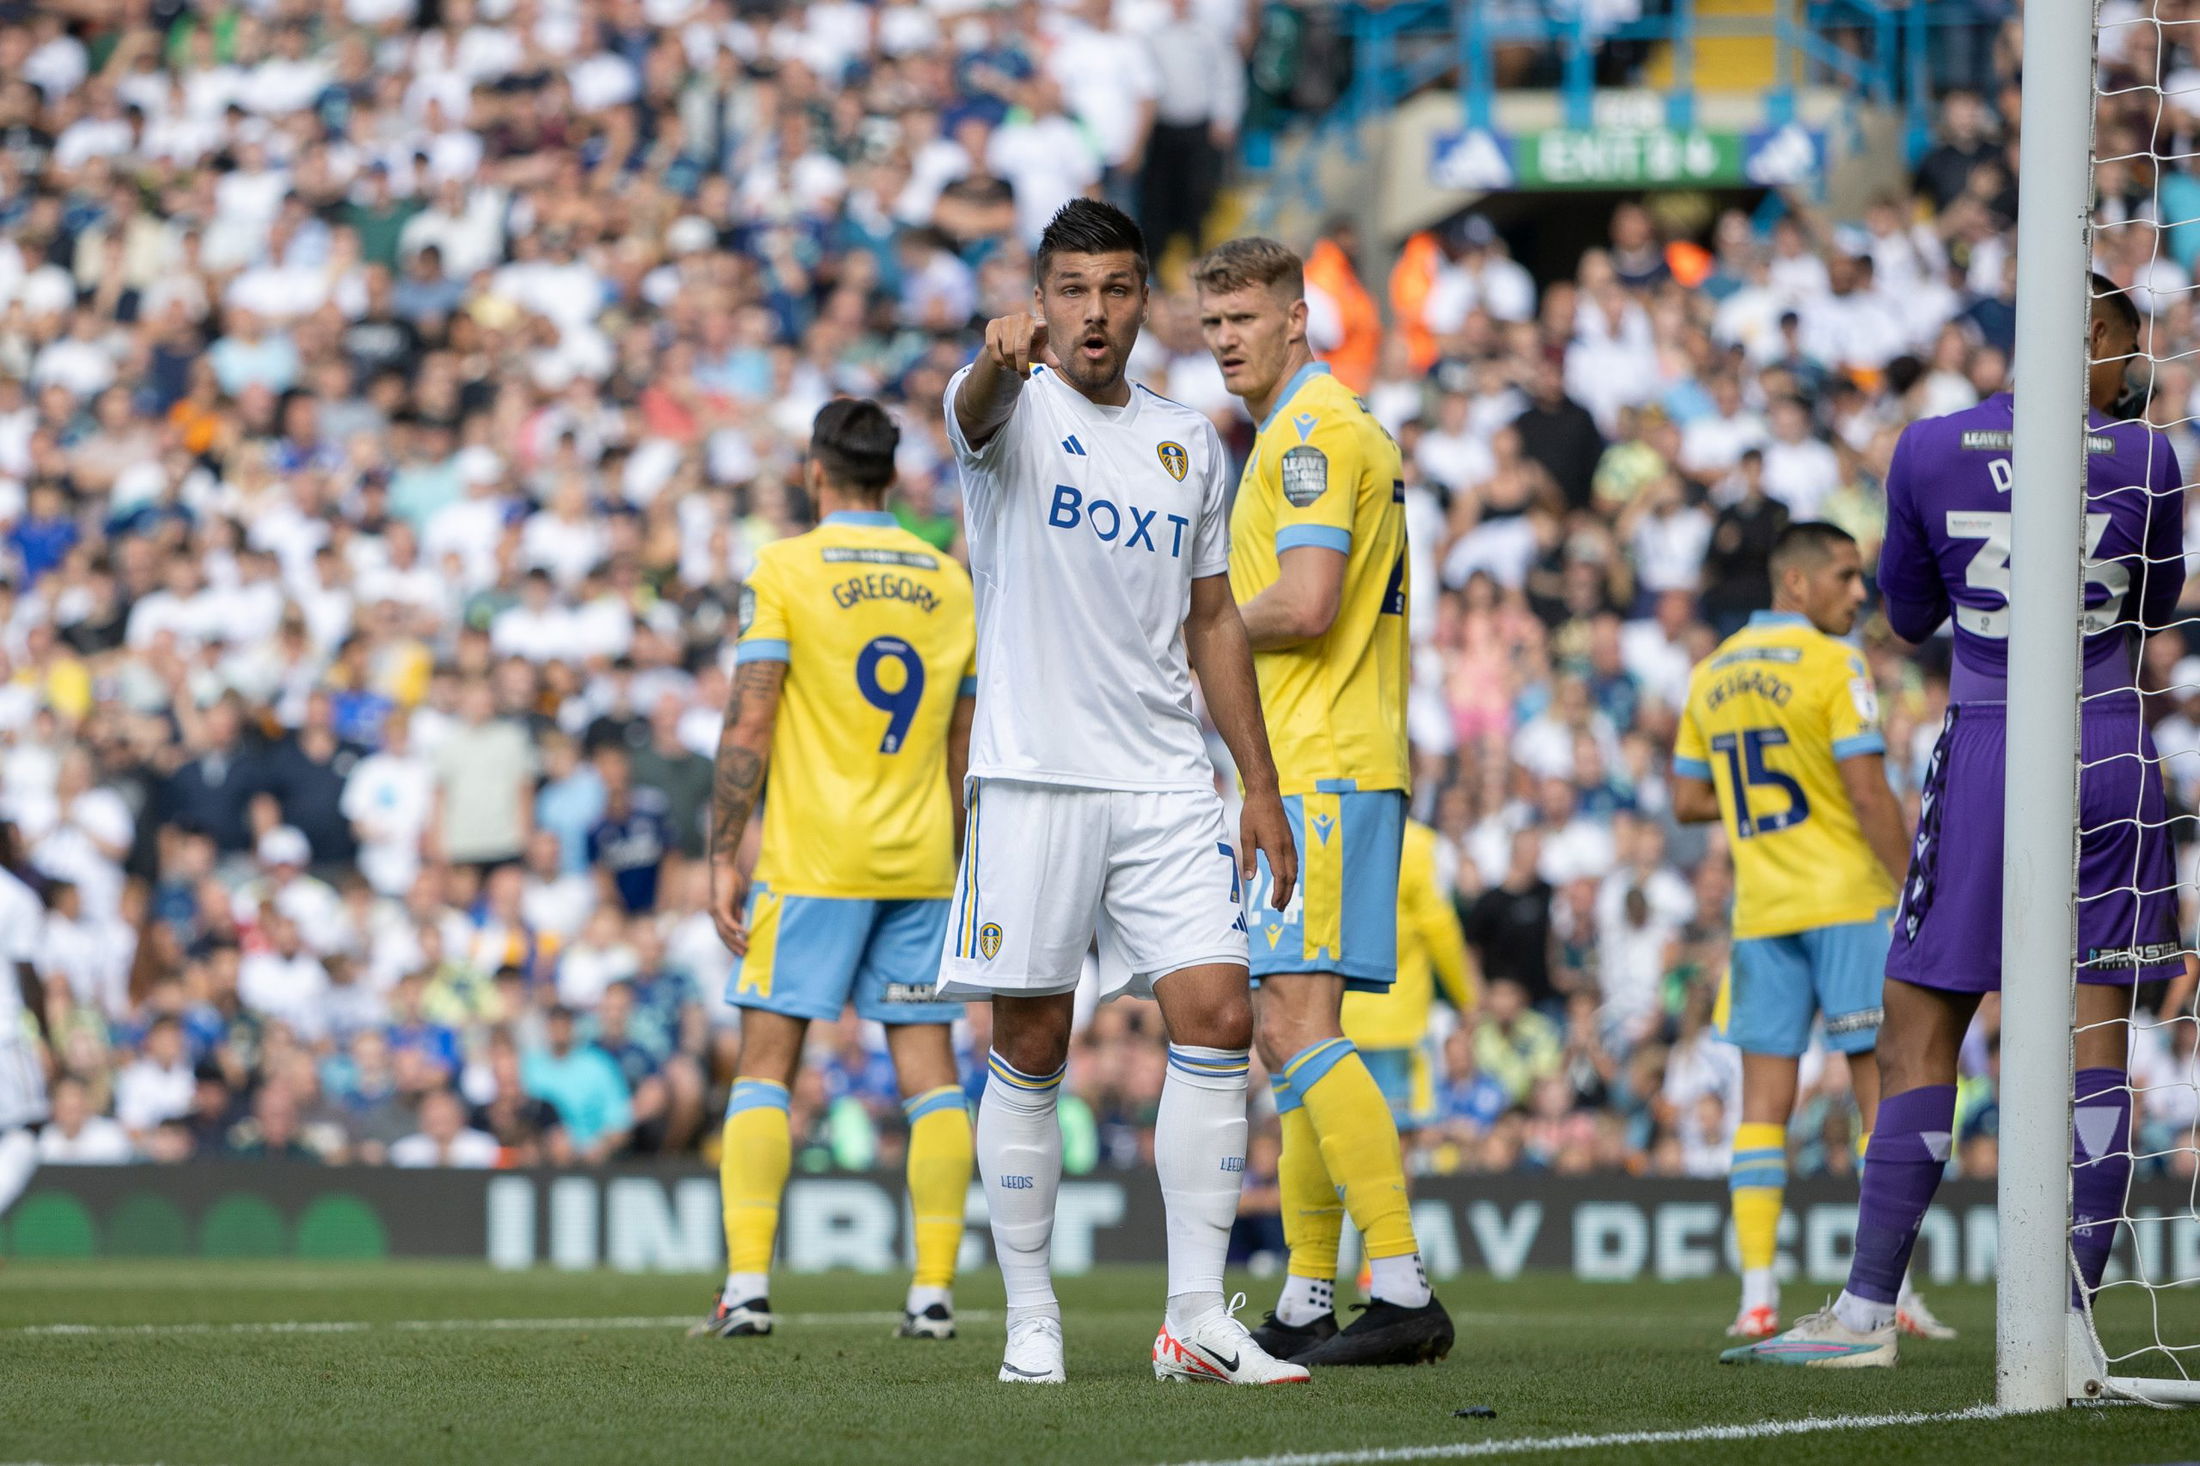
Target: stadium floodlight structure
x=2047 y=1354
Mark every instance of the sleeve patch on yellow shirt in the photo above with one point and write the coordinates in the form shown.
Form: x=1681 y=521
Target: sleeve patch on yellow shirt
x=1305 y=475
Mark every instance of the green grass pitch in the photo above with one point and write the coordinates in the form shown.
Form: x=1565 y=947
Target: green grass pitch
x=192 y=1362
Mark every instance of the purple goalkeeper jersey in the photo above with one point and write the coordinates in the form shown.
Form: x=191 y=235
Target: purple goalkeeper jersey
x=1947 y=545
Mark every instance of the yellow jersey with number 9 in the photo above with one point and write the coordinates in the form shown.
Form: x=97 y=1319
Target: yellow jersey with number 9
x=1770 y=716
x=1324 y=473
x=880 y=640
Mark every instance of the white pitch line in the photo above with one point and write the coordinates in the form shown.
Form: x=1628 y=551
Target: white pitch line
x=1531 y=1445
x=452 y=1325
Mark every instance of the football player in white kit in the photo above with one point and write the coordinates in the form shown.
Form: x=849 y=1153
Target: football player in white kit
x=22 y=1005
x=1097 y=519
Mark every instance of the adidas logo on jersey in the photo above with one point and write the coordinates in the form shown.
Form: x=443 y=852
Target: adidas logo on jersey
x=1071 y=508
x=1075 y=449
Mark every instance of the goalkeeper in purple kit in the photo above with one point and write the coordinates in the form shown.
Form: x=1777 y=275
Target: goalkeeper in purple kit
x=1947 y=556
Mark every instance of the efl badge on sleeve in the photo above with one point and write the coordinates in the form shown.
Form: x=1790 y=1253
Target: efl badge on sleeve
x=989 y=935
x=1305 y=475
x=1175 y=460
x=745 y=610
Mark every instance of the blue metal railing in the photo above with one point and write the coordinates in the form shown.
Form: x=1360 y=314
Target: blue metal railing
x=1881 y=51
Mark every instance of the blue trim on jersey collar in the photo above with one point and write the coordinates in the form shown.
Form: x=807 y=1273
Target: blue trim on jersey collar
x=1778 y=618
x=1299 y=379
x=871 y=518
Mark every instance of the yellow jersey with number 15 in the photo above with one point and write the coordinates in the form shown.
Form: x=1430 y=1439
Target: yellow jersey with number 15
x=1324 y=473
x=1770 y=716
x=879 y=637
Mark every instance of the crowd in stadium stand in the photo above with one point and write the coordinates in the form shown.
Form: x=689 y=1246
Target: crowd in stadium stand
x=394 y=393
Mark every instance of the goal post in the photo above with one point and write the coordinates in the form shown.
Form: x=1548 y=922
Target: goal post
x=2046 y=1353
x=2040 y=801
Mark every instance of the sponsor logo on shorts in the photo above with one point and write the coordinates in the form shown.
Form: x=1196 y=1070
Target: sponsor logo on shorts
x=989 y=940
x=1175 y=460
x=911 y=992
x=2152 y=954
x=1857 y=1022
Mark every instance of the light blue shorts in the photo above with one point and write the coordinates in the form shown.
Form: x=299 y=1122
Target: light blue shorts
x=1407 y=1084
x=1343 y=918
x=1775 y=986
x=810 y=956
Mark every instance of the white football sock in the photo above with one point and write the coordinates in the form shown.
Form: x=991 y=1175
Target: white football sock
x=741 y=1287
x=1020 y=1158
x=1903 y=1296
x=1861 y=1314
x=1199 y=1153
x=922 y=1298
x=18 y=1163
x=1400 y=1280
x=1760 y=1288
x=1305 y=1299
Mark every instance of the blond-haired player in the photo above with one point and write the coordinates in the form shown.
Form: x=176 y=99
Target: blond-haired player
x=1318 y=563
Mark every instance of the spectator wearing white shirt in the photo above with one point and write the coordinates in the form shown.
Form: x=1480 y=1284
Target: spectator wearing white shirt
x=1045 y=157
x=1800 y=469
x=1713 y=443
x=444 y=1138
x=82 y=956
x=1851 y=326
x=1198 y=104
x=1450 y=453
x=539 y=628
x=388 y=799
x=76 y=1136
x=565 y=539
x=1477 y=275
x=1668 y=536
x=554 y=901
x=285 y=982
x=158 y=1085
x=1576 y=846
x=1110 y=82
x=1656 y=650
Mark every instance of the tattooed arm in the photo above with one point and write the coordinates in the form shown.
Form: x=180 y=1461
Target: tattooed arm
x=744 y=745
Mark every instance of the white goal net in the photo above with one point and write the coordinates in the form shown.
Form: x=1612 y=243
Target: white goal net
x=2138 y=858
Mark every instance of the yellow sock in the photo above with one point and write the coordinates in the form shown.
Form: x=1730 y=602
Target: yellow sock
x=1359 y=1143
x=1313 y=1217
x=1757 y=1181
x=941 y=1152
x=752 y=1172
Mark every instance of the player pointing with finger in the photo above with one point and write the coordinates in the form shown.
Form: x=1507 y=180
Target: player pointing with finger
x=1096 y=519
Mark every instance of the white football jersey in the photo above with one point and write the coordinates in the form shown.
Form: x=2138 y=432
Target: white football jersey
x=1086 y=526
x=22 y=1081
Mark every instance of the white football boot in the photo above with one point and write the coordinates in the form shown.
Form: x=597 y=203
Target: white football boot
x=1821 y=1341
x=1220 y=1350
x=1034 y=1353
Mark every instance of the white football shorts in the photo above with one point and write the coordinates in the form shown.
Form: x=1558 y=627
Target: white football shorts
x=1048 y=868
x=22 y=1082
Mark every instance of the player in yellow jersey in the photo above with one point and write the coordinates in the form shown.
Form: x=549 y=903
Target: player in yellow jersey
x=1318 y=565
x=1781 y=739
x=854 y=683
x=1390 y=1029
